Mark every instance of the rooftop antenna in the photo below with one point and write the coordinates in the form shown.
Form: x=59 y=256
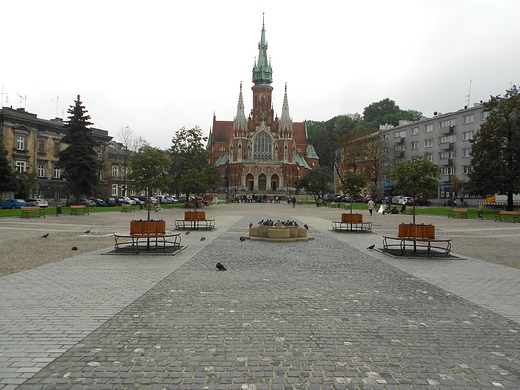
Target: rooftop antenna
x=469 y=94
x=57 y=102
x=2 y=97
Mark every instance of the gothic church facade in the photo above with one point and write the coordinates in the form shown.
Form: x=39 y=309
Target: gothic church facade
x=261 y=152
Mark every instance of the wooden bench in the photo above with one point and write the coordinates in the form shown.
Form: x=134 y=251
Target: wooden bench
x=139 y=241
x=351 y=226
x=463 y=213
x=194 y=224
x=515 y=215
x=37 y=210
x=76 y=209
x=126 y=207
x=428 y=243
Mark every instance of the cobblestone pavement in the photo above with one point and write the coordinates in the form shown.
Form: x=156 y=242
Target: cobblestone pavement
x=324 y=314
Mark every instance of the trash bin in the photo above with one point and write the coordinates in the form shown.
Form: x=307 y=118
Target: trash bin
x=141 y=206
x=58 y=209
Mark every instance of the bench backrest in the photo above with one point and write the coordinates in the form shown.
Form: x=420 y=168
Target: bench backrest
x=30 y=207
x=510 y=212
x=460 y=210
x=79 y=206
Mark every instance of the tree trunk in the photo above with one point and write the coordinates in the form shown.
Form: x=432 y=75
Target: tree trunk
x=509 y=206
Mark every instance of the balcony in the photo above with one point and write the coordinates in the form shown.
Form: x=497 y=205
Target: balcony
x=398 y=153
x=446 y=146
x=446 y=161
x=399 y=140
x=444 y=178
x=447 y=130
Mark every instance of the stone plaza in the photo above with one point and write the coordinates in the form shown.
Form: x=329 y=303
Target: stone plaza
x=323 y=314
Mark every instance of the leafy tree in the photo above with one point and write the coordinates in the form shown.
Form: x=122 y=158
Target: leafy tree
x=418 y=177
x=188 y=155
x=149 y=171
x=7 y=176
x=496 y=148
x=354 y=182
x=79 y=160
x=318 y=181
x=25 y=183
x=386 y=111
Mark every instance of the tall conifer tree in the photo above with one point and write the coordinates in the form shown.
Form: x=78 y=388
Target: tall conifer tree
x=79 y=160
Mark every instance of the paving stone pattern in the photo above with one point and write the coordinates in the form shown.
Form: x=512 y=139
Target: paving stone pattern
x=315 y=315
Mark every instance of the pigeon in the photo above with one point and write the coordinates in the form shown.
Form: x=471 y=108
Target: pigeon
x=251 y=224
x=242 y=238
x=45 y=235
x=202 y=238
x=306 y=227
x=371 y=247
x=74 y=248
x=188 y=232
x=221 y=267
x=87 y=232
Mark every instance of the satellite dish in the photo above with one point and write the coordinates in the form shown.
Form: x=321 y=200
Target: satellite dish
x=435 y=113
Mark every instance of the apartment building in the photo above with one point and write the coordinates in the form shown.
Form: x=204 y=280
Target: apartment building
x=444 y=139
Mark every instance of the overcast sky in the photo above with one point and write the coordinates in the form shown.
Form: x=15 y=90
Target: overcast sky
x=158 y=66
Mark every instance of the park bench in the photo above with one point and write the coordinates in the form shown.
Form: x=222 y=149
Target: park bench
x=139 y=241
x=428 y=243
x=126 y=207
x=37 y=210
x=351 y=226
x=463 y=213
x=194 y=220
x=515 y=215
x=76 y=209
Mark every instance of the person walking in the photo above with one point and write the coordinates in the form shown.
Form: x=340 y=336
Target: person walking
x=371 y=206
x=294 y=201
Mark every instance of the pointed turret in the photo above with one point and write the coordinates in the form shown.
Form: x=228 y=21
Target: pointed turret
x=262 y=71
x=240 y=122
x=286 y=123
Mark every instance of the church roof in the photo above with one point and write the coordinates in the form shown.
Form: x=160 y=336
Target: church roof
x=222 y=160
x=311 y=152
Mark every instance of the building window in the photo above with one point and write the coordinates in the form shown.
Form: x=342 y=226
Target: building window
x=448 y=170
x=263 y=148
x=448 y=139
x=42 y=167
x=56 y=172
x=466 y=152
x=400 y=134
x=115 y=170
x=415 y=130
x=466 y=169
x=467 y=135
x=386 y=137
x=114 y=189
x=429 y=156
x=385 y=151
x=428 y=143
x=20 y=142
x=41 y=145
x=484 y=115
x=124 y=170
x=400 y=148
x=20 y=166
x=448 y=123
x=56 y=147
x=446 y=155
x=415 y=145
x=429 y=128
x=467 y=119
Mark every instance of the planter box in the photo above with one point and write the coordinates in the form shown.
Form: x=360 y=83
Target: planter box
x=417 y=231
x=147 y=227
x=195 y=215
x=351 y=218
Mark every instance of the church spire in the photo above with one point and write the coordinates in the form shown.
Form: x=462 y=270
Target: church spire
x=240 y=122
x=286 y=123
x=262 y=71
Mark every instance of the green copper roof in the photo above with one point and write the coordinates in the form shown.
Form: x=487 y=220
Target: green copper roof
x=222 y=160
x=262 y=71
x=311 y=152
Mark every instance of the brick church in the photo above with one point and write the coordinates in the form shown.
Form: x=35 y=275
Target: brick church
x=261 y=152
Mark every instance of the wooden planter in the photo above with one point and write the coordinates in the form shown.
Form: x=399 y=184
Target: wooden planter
x=417 y=231
x=351 y=218
x=147 y=227
x=195 y=215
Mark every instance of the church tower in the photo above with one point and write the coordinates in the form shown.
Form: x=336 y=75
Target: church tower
x=260 y=153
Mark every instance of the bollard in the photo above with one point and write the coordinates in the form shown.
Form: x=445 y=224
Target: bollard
x=58 y=209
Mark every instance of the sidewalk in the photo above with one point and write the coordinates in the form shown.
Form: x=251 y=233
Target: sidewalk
x=324 y=314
